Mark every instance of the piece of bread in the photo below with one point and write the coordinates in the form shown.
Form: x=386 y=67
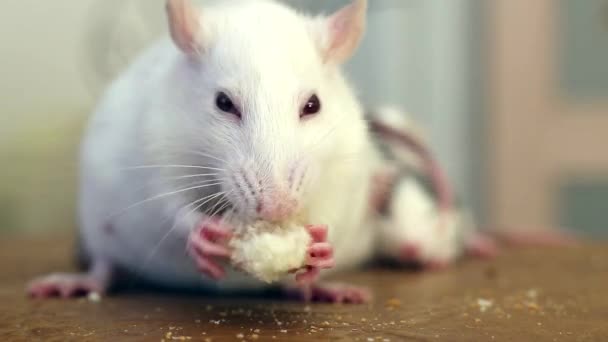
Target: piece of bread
x=270 y=251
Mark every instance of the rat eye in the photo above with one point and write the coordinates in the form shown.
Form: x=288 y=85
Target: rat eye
x=225 y=104
x=312 y=106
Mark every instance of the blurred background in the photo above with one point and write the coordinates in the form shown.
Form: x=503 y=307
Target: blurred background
x=513 y=93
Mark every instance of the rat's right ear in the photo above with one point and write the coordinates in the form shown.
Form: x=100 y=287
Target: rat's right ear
x=342 y=32
x=185 y=25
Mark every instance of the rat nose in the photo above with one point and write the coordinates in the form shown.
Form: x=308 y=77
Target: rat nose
x=277 y=206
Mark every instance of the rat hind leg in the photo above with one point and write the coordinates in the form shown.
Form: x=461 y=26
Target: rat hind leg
x=330 y=293
x=98 y=279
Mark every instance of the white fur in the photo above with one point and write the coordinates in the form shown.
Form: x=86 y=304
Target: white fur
x=161 y=111
x=415 y=220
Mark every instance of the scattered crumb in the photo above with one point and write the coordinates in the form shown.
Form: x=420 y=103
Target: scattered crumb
x=477 y=320
x=363 y=320
x=484 y=304
x=532 y=306
x=539 y=323
x=532 y=293
x=257 y=331
x=168 y=335
x=207 y=339
x=255 y=336
x=393 y=303
x=284 y=331
x=94 y=297
x=240 y=336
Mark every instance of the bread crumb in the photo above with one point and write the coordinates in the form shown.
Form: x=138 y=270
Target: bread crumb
x=532 y=306
x=393 y=303
x=484 y=304
x=532 y=293
x=240 y=336
x=255 y=336
x=94 y=297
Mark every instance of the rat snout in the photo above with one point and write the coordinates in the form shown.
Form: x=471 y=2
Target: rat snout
x=270 y=197
x=277 y=206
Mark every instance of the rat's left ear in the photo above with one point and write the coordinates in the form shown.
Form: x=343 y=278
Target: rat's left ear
x=343 y=32
x=185 y=25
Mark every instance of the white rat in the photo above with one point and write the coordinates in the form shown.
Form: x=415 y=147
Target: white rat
x=417 y=218
x=244 y=111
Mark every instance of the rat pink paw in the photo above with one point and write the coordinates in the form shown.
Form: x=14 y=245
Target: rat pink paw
x=207 y=244
x=320 y=254
x=481 y=246
x=331 y=293
x=65 y=285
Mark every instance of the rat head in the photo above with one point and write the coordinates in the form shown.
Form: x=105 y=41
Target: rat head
x=261 y=96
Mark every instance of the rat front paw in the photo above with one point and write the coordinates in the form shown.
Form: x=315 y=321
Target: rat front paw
x=208 y=244
x=320 y=254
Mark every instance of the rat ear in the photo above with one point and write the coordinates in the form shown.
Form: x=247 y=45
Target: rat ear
x=344 y=30
x=184 y=25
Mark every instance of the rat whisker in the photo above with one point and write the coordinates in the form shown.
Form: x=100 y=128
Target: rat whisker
x=203 y=154
x=212 y=211
x=204 y=200
x=174 y=178
x=153 y=198
x=160 y=166
x=225 y=204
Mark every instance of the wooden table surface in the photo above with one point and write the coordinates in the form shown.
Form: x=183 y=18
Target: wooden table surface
x=524 y=295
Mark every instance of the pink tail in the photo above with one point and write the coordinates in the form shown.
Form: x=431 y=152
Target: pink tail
x=486 y=245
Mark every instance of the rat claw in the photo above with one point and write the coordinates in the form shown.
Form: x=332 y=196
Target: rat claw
x=319 y=255
x=208 y=242
x=317 y=232
x=213 y=230
x=309 y=275
x=210 y=268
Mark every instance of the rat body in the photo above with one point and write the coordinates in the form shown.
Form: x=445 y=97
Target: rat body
x=243 y=113
x=418 y=221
